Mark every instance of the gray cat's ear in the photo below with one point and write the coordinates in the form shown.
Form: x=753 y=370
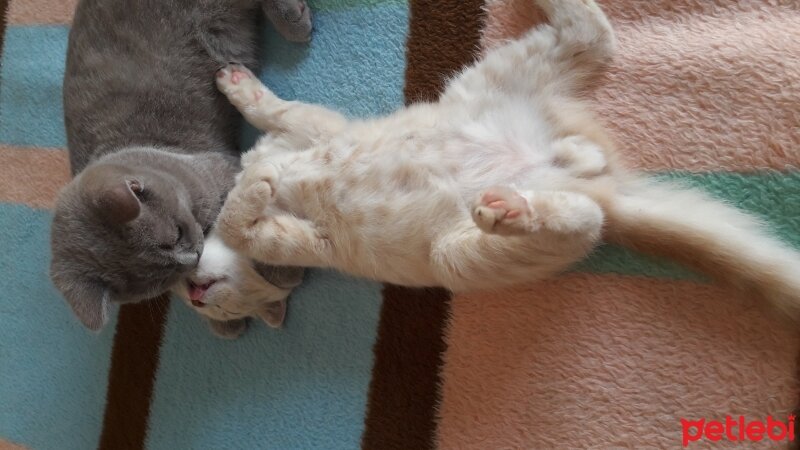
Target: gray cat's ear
x=88 y=299
x=113 y=195
x=273 y=313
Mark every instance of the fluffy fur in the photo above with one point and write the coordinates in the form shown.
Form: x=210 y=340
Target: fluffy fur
x=507 y=179
x=153 y=154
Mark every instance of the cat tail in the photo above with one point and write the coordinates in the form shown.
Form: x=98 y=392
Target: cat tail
x=668 y=220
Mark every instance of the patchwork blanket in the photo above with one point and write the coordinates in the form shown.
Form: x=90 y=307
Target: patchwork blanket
x=613 y=354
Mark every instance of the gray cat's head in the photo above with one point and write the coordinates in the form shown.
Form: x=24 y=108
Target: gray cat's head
x=121 y=234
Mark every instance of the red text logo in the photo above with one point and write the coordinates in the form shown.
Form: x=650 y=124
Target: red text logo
x=737 y=430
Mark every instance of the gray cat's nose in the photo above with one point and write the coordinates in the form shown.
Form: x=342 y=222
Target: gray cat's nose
x=188 y=259
x=196 y=256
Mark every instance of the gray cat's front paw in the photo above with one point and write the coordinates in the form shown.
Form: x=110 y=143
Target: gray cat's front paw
x=292 y=18
x=228 y=329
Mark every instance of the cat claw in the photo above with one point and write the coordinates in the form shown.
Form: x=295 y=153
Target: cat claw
x=501 y=210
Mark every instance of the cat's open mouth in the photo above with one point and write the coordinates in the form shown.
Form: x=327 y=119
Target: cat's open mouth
x=198 y=291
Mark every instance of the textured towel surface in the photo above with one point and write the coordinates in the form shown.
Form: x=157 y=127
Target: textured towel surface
x=608 y=361
x=609 y=356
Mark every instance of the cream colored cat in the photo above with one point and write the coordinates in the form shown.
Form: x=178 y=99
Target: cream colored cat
x=506 y=179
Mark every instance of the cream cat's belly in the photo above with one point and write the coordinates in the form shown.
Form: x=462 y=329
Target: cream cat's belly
x=356 y=193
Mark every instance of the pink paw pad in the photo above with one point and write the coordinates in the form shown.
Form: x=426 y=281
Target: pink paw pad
x=505 y=201
x=499 y=208
x=236 y=77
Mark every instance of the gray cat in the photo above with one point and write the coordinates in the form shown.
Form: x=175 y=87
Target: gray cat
x=152 y=143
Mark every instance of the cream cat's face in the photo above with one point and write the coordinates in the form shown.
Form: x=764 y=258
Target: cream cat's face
x=227 y=286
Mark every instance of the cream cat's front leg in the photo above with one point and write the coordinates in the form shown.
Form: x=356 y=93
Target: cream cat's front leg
x=250 y=223
x=298 y=123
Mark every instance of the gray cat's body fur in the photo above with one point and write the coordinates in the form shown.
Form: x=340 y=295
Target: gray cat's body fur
x=117 y=95
x=152 y=143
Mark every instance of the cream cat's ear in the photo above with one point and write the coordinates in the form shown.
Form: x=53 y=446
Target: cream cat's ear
x=228 y=329
x=273 y=313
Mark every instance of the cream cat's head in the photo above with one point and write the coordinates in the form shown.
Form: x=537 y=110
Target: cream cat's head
x=228 y=286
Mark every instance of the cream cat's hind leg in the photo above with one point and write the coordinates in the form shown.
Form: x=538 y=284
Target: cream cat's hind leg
x=580 y=156
x=520 y=237
x=502 y=210
x=576 y=45
x=298 y=123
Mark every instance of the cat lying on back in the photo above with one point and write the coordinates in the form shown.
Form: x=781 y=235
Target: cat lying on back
x=506 y=179
x=152 y=143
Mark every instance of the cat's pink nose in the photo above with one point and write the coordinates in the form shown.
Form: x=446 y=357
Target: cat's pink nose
x=198 y=291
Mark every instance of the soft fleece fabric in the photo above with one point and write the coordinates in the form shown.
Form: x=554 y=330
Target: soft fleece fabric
x=611 y=355
x=614 y=361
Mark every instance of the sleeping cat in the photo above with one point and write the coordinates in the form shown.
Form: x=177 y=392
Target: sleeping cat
x=152 y=143
x=226 y=287
x=506 y=179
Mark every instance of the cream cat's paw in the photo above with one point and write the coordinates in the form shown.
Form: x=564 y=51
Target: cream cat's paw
x=502 y=210
x=259 y=183
x=566 y=212
x=246 y=203
x=582 y=157
x=243 y=89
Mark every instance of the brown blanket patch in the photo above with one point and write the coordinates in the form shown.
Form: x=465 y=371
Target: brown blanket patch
x=3 y=13
x=444 y=36
x=134 y=362
x=32 y=176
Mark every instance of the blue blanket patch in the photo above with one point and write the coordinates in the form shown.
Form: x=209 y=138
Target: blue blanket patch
x=52 y=371
x=31 y=74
